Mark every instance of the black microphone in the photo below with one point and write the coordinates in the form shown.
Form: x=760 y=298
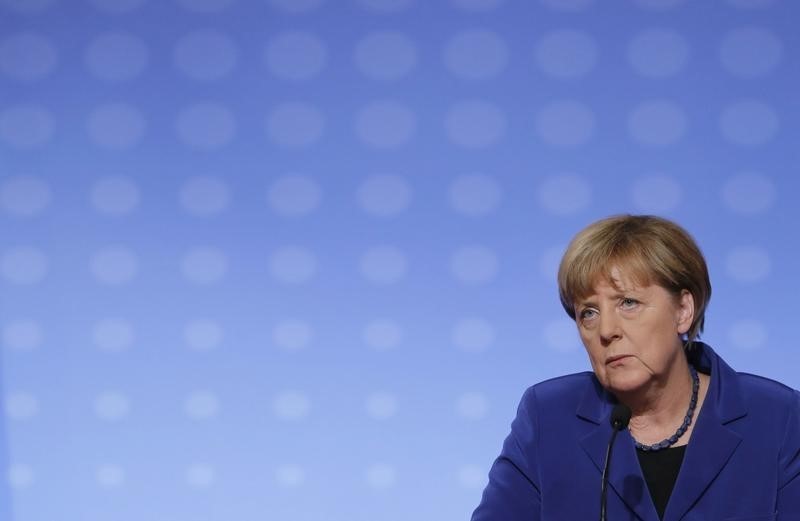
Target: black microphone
x=620 y=417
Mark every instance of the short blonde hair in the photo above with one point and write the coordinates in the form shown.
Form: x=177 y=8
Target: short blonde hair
x=649 y=249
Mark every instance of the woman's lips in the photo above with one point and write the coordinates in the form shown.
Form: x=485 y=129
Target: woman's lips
x=616 y=360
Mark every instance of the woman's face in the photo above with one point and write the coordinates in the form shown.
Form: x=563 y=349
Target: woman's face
x=632 y=333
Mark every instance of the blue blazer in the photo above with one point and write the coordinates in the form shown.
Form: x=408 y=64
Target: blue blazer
x=742 y=462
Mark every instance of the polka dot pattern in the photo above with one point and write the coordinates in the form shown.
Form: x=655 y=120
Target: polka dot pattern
x=476 y=54
x=296 y=56
x=24 y=195
x=205 y=55
x=385 y=124
x=317 y=223
x=116 y=57
x=292 y=335
x=385 y=55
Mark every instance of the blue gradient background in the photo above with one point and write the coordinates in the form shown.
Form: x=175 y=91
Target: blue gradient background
x=296 y=259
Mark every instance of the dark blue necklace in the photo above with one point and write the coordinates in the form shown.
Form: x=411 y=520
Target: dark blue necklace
x=663 y=444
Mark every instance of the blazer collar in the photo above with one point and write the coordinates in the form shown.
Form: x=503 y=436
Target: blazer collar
x=709 y=450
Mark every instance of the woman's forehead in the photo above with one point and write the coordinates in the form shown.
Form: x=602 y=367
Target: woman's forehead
x=619 y=279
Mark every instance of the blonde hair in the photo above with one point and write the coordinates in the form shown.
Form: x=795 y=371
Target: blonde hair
x=646 y=248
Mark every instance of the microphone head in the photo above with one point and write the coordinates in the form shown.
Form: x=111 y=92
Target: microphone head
x=620 y=416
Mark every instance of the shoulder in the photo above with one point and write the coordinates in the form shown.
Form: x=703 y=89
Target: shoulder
x=758 y=392
x=560 y=393
x=757 y=387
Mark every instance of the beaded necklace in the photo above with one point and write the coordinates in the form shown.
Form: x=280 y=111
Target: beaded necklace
x=663 y=444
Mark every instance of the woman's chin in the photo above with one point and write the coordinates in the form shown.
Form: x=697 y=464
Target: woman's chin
x=626 y=382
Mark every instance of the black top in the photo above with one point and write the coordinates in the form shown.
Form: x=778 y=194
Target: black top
x=660 y=469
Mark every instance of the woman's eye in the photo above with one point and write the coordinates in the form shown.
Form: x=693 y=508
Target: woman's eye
x=628 y=303
x=587 y=314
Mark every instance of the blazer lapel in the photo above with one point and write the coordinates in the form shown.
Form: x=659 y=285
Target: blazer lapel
x=709 y=450
x=712 y=443
x=625 y=476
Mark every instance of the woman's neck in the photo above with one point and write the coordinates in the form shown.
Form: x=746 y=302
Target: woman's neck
x=660 y=408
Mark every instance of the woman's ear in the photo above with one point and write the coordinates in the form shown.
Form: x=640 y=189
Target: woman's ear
x=685 y=315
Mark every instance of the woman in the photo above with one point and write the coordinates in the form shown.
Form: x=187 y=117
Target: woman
x=703 y=442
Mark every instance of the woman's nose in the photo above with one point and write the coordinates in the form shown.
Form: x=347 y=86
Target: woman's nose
x=609 y=326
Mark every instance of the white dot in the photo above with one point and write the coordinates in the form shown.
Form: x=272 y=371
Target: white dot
x=564 y=194
x=27 y=7
x=292 y=335
x=385 y=6
x=476 y=54
x=473 y=334
x=201 y=405
x=561 y=335
x=658 y=53
x=748 y=335
x=295 y=125
x=204 y=195
x=205 y=6
x=290 y=475
x=23 y=265
x=383 y=265
x=565 y=123
x=116 y=56
x=566 y=54
x=385 y=55
x=111 y=406
x=658 y=4
x=21 y=406
x=24 y=195
x=117 y=6
x=472 y=477
x=110 y=476
x=385 y=124
x=114 y=266
x=384 y=195
x=477 y=5
x=749 y=193
x=296 y=55
x=750 y=52
x=203 y=335
x=381 y=405
x=294 y=195
x=115 y=195
x=751 y=4
x=656 y=194
x=381 y=476
x=200 y=476
x=749 y=123
x=383 y=334
x=22 y=335
x=568 y=5
x=205 y=55
x=116 y=126
x=475 y=124
x=474 y=265
x=204 y=265
x=748 y=264
x=113 y=335
x=291 y=405
x=657 y=123
x=20 y=476
x=293 y=265
x=206 y=126
x=472 y=405
x=26 y=126
x=549 y=262
x=474 y=194
x=27 y=56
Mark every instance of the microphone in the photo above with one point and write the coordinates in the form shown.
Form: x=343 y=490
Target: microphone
x=620 y=416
